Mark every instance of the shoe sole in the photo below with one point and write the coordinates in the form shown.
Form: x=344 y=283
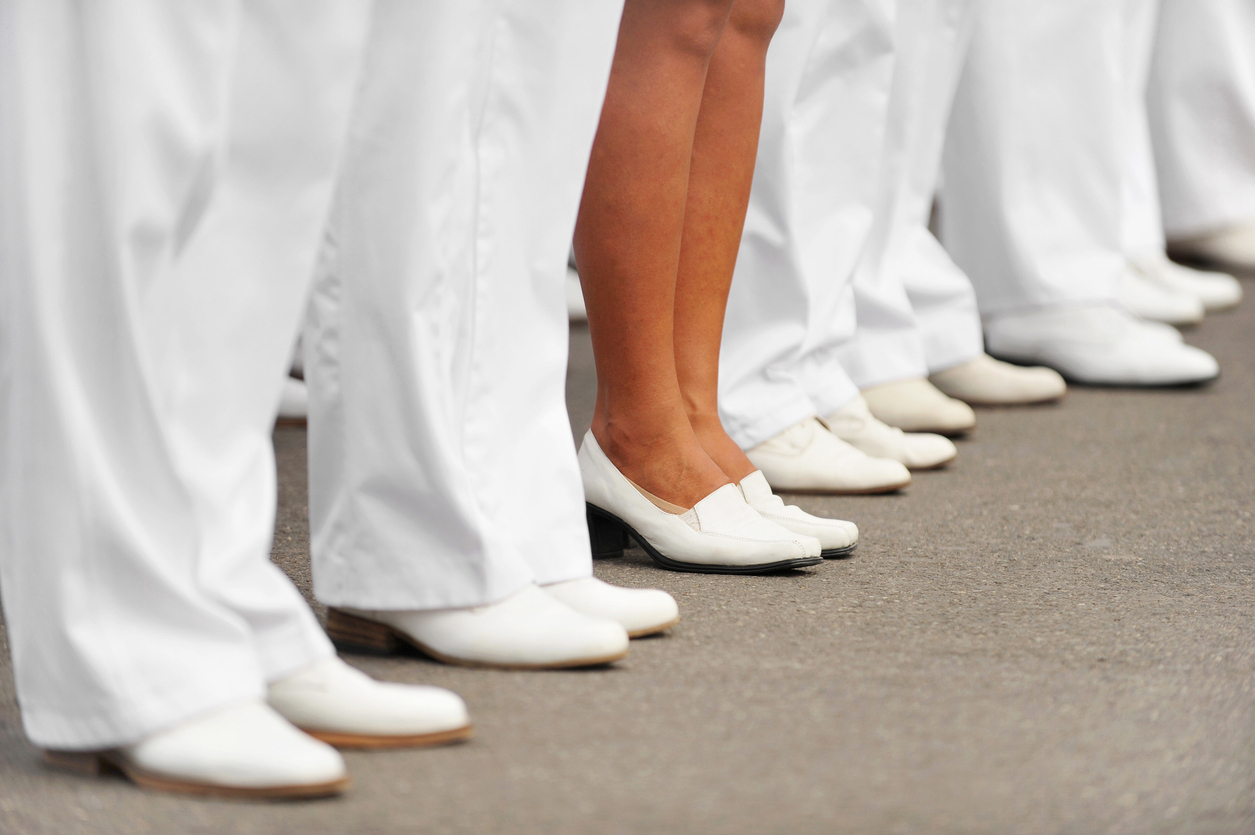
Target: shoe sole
x=1012 y=404
x=879 y=490
x=1073 y=381
x=837 y=553
x=98 y=763
x=601 y=518
x=936 y=466
x=354 y=634
x=373 y=741
x=654 y=630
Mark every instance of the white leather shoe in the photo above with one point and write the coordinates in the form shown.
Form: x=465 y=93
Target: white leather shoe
x=529 y=630
x=856 y=425
x=917 y=405
x=987 y=382
x=837 y=537
x=294 y=405
x=808 y=458
x=640 y=611
x=721 y=534
x=1215 y=291
x=243 y=751
x=1147 y=298
x=345 y=707
x=1228 y=249
x=1098 y=345
x=575 y=309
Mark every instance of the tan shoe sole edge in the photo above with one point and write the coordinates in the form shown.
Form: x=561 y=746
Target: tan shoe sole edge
x=379 y=741
x=654 y=630
x=96 y=763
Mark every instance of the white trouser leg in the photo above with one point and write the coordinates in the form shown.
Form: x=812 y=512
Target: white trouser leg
x=1202 y=110
x=1032 y=191
x=1142 y=230
x=791 y=305
x=442 y=469
x=916 y=310
x=158 y=227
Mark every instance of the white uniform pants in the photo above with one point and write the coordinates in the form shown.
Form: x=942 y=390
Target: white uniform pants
x=1035 y=168
x=791 y=307
x=1202 y=108
x=442 y=470
x=916 y=310
x=165 y=171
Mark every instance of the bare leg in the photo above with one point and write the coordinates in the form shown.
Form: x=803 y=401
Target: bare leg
x=627 y=243
x=720 y=175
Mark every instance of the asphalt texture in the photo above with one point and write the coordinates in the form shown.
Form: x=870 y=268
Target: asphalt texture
x=1053 y=635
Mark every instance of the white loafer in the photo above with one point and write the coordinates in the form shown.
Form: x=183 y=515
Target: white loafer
x=640 y=611
x=1146 y=298
x=1229 y=249
x=986 y=381
x=917 y=405
x=529 y=630
x=1099 y=345
x=243 y=751
x=345 y=707
x=1215 y=291
x=856 y=425
x=808 y=458
x=721 y=534
x=837 y=537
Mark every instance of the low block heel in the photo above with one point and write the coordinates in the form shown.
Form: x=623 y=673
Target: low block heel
x=87 y=763
x=609 y=538
x=353 y=634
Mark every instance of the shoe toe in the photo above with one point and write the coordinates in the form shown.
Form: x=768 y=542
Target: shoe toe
x=923 y=451
x=955 y=416
x=400 y=709
x=248 y=746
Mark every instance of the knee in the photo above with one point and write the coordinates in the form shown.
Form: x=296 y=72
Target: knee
x=700 y=26
x=756 y=20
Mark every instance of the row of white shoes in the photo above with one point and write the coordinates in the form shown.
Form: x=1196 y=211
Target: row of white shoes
x=862 y=448
x=285 y=747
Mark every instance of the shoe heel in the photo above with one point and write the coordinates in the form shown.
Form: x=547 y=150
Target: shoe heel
x=87 y=763
x=609 y=538
x=354 y=634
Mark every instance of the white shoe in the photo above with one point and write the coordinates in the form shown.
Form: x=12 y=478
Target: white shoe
x=856 y=425
x=529 y=630
x=244 y=751
x=575 y=309
x=721 y=534
x=294 y=405
x=1100 y=345
x=916 y=405
x=837 y=537
x=807 y=457
x=987 y=382
x=345 y=707
x=640 y=611
x=1228 y=249
x=1215 y=291
x=1143 y=295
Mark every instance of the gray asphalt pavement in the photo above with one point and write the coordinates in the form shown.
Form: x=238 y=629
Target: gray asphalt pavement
x=1054 y=635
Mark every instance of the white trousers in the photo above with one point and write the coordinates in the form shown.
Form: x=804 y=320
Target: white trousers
x=811 y=210
x=1036 y=188
x=1202 y=109
x=916 y=310
x=189 y=159
x=442 y=468
x=165 y=171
